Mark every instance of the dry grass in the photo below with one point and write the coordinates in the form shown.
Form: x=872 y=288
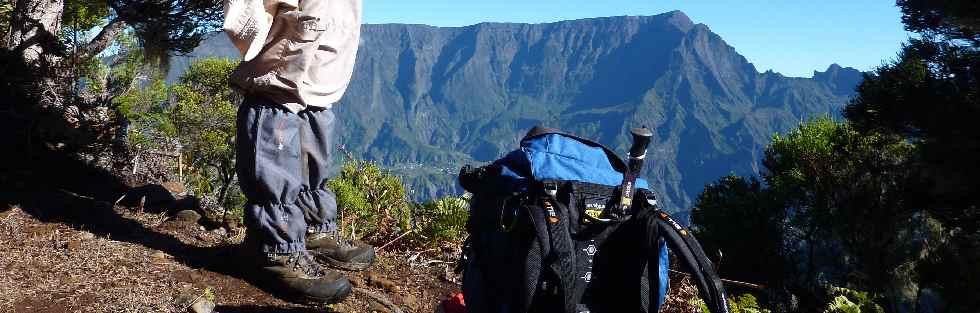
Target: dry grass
x=682 y=296
x=51 y=268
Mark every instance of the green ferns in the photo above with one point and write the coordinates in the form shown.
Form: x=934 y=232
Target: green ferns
x=441 y=221
x=844 y=301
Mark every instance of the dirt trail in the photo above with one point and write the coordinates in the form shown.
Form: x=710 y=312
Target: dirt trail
x=88 y=256
x=64 y=248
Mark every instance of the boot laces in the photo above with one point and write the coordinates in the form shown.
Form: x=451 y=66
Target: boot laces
x=340 y=239
x=303 y=262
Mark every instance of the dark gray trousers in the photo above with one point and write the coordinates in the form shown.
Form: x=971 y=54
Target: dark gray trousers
x=283 y=160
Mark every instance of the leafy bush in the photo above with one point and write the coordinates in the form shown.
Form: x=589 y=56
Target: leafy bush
x=145 y=110
x=746 y=303
x=370 y=202
x=203 y=117
x=852 y=301
x=823 y=182
x=194 y=119
x=371 y=205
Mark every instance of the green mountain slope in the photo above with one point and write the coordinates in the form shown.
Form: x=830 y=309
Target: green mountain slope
x=425 y=100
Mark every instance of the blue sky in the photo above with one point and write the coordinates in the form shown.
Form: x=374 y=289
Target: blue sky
x=793 y=37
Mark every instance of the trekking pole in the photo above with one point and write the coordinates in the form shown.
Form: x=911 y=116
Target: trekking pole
x=641 y=139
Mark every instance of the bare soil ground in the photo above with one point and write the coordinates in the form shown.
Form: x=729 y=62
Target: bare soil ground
x=64 y=248
x=53 y=267
x=60 y=267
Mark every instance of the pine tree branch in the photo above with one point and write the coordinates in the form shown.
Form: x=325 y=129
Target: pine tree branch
x=102 y=40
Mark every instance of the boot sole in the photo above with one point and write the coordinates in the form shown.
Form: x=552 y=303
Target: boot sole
x=308 y=300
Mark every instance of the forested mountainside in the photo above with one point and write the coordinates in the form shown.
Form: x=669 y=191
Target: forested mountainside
x=425 y=100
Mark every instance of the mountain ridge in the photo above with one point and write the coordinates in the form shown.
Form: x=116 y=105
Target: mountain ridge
x=425 y=99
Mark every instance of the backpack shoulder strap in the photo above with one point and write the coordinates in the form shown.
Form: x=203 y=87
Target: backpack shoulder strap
x=659 y=224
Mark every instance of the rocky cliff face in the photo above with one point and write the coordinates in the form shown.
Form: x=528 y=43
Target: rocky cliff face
x=425 y=100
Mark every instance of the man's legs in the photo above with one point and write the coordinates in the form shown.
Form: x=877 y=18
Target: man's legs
x=318 y=202
x=270 y=168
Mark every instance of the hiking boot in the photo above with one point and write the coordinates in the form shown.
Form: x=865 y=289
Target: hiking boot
x=335 y=250
x=297 y=277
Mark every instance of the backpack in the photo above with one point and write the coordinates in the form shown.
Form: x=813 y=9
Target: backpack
x=541 y=239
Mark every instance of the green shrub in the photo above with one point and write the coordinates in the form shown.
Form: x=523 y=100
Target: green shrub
x=371 y=205
x=371 y=202
x=746 y=303
x=852 y=301
x=194 y=119
x=144 y=108
x=202 y=113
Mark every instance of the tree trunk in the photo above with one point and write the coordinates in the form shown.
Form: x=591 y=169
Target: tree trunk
x=34 y=29
x=40 y=80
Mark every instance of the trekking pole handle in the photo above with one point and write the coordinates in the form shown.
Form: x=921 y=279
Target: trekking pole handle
x=638 y=151
x=641 y=140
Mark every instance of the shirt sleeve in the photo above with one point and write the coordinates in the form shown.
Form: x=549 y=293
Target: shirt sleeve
x=247 y=24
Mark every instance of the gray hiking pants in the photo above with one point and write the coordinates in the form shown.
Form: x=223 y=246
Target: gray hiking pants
x=283 y=160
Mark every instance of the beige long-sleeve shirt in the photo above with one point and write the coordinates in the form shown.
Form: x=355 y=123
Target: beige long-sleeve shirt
x=297 y=53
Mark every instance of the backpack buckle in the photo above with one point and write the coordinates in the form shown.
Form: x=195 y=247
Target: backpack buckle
x=551 y=188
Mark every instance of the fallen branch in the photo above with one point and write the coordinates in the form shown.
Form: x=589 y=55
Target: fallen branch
x=172 y=155
x=75 y=194
x=379 y=298
x=729 y=281
x=393 y=240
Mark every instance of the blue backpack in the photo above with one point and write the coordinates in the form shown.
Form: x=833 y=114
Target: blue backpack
x=540 y=239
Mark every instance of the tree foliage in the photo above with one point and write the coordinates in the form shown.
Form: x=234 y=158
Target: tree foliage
x=929 y=96
x=844 y=190
x=739 y=218
x=6 y=8
x=166 y=26
x=836 y=207
x=83 y=15
x=203 y=117
x=949 y=19
x=885 y=202
x=145 y=110
x=193 y=120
